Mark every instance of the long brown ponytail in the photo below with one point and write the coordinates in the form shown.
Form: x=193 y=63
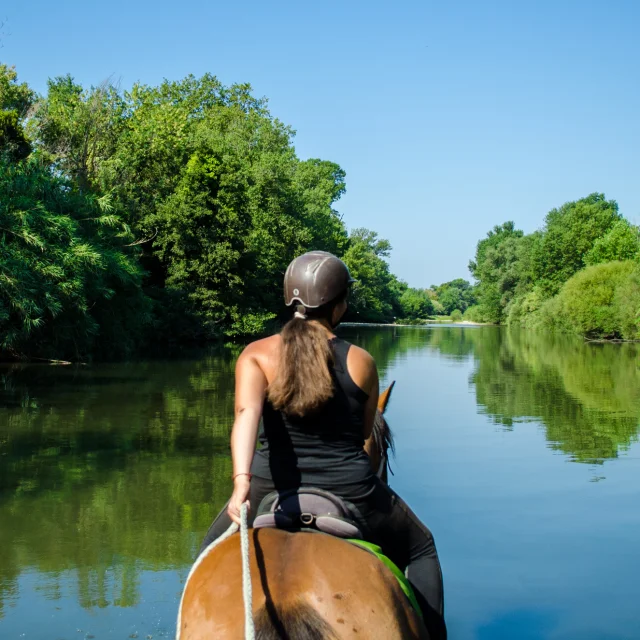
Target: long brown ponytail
x=303 y=382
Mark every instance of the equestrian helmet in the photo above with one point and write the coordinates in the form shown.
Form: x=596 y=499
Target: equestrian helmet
x=315 y=278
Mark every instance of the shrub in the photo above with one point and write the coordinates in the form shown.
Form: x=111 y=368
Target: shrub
x=524 y=306
x=601 y=301
x=456 y=315
x=588 y=299
x=549 y=316
x=416 y=304
x=473 y=314
x=627 y=301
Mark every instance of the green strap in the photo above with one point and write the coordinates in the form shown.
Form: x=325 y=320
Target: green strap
x=405 y=585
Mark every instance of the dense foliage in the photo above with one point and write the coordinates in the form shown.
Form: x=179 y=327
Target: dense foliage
x=579 y=273
x=168 y=214
x=163 y=215
x=457 y=295
x=65 y=277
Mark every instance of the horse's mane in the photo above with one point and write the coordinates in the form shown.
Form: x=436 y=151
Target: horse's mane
x=382 y=435
x=300 y=621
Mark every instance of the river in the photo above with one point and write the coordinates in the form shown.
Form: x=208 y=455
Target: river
x=519 y=450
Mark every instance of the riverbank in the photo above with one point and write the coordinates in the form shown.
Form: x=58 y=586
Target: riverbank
x=426 y=323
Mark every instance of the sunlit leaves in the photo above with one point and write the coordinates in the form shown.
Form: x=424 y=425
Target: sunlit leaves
x=60 y=260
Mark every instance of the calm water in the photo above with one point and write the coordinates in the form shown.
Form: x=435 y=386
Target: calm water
x=520 y=452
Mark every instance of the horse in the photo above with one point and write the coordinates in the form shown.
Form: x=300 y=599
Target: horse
x=381 y=440
x=306 y=586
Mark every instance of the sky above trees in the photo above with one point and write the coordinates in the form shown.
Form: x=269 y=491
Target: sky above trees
x=447 y=119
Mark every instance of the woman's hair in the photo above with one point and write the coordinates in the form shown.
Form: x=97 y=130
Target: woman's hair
x=303 y=381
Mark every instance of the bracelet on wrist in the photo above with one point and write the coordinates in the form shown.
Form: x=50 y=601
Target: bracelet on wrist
x=249 y=475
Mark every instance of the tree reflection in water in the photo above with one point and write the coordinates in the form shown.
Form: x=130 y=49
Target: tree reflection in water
x=114 y=469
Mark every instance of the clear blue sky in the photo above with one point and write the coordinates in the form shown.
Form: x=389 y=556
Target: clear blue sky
x=448 y=117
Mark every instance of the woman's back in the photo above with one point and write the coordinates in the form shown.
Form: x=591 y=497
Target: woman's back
x=323 y=447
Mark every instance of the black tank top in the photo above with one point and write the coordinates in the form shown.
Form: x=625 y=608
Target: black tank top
x=324 y=449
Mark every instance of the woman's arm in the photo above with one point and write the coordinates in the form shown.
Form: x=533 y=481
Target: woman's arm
x=372 y=402
x=251 y=385
x=365 y=375
x=363 y=371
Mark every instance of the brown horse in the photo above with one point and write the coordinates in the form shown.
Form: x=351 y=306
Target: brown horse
x=306 y=586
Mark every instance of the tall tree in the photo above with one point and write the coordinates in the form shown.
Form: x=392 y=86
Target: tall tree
x=416 y=304
x=497 y=270
x=79 y=129
x=14 y=95
x=319 y=184
x=376 y=293
x=66 y=280
x=16 y=100
x=457 y=294
x=570 y=232
x=621 y=242
x=229 y=229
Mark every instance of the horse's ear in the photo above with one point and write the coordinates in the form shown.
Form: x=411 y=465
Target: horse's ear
x=383 y=400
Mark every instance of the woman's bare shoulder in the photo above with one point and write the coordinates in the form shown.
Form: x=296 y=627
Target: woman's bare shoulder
x=361 y=356
x=362 y=368
x=263 y=348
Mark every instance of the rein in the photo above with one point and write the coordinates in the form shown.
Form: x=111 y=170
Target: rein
x=247 y=597
x=249 y=629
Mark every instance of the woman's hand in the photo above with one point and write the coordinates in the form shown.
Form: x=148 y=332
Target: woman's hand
x=241 y=486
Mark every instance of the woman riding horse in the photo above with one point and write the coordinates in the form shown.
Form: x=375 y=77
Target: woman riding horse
x=317 y=396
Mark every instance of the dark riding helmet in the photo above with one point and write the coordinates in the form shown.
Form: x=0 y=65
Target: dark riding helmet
x=315 y=278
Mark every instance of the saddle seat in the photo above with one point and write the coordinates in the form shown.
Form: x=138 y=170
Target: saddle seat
x=308 y=508
x=311 y=509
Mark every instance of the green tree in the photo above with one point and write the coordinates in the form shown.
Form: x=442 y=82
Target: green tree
x=498 y=270
x=65 y=276
x=319 y=184
x=457 y=294
x=230 y=228
x=158 y=138
x=621 y=242
x=15 y=101
x=376 y=293
x=210 y=185
x=416 y=304
x=15 y=96
x=570 y=232
x=79 y=129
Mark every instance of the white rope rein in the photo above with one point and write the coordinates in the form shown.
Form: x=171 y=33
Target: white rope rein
x=249 y=629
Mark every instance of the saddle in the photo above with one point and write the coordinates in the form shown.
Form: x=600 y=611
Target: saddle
x=307 y=508
x=310 y=509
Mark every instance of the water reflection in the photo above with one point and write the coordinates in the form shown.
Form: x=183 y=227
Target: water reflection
x=112 y=471
x=587 y=395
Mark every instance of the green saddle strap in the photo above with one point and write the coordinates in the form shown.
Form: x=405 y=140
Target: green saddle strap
x=405 y=585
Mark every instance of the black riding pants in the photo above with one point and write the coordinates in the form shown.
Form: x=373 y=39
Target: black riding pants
x=393 y=526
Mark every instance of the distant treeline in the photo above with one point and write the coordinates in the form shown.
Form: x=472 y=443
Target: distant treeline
x=580 y=273
x=161 y=216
